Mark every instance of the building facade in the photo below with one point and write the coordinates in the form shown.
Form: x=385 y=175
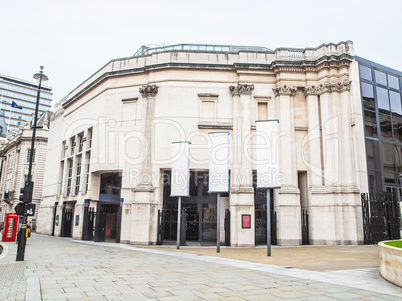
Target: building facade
x=381 y=101
x=109 y=148
x=14 y=155
x=24 y=94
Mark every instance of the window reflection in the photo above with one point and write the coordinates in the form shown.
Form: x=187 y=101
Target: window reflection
x=365 y=72
x=385 y=126
x=395 y=100
x=380 y=77
x=382 y=100
x=370 y=123
x=389 y=162
x=393 y=82
x=397 y=125
x=368 y=96
x=373 y=155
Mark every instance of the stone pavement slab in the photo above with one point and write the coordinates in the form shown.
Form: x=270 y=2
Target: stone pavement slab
x=76 y=270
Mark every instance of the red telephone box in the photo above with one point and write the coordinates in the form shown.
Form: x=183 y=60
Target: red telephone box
x=10 y=227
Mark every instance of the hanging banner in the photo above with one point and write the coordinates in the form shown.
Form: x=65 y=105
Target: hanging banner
x=219 y=162
x=180 y=178
x=267 y=160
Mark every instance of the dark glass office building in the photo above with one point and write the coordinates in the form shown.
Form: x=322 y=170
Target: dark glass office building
x=382 y=113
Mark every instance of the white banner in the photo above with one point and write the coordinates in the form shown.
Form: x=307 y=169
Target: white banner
x=180 y=177
x=219 y=162
x=267 y=154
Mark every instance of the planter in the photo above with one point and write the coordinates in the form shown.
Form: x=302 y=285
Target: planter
x=391 y=263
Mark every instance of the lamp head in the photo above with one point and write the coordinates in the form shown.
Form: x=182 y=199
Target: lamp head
x=40 y=76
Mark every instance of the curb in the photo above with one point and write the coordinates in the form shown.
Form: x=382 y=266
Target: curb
x=4 y=251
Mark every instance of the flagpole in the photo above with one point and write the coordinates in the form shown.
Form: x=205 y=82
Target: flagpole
x=1 y=102
x=9 y=119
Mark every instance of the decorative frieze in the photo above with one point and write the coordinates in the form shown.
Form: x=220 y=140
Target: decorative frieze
x=327 y=87
x=241 y=89
x=284 y=90
x=149 y=91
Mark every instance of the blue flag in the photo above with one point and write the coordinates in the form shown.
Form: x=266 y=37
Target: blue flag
x=14 y=105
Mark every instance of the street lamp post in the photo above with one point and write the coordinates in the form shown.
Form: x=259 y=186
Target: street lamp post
x=28 y=188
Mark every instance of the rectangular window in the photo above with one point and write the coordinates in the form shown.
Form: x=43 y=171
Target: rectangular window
x=370 y=123
x=389 y=162
x=373 y=155
x=395 y=99
x=61 y=177
x=72 y=145
x=262 y=110
x=90 y=137
x=368 y=96
x=385 y=126
x=365 y=72
x=393 y=82
x=63 y=149
x=382 y=100
x=380 y=77
x=87 y=180
x=78 y=178
x=397 y=125
x=29 y=155
x=208 y=111
x=70 y=176
x=81 y=137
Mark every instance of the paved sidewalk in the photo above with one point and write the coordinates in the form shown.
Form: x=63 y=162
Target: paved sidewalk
x=62 y=269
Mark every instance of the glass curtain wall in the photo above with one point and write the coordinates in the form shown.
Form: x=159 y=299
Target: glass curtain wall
x=382 y=110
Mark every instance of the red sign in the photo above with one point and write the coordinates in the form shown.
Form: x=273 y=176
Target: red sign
x=10 y=227
x=246 y=221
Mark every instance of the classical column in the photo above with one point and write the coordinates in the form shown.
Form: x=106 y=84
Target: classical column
x=312 y=158
x=284 y=95
x=139 y=227
x=241 y=131
x=288 y=204
x=241 y=191
x=348 y=176
x=148 y=110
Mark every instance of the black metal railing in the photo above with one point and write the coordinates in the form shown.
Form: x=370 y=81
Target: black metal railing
x=381 y=217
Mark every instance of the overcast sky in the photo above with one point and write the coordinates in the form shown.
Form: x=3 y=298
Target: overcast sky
x=74 y=38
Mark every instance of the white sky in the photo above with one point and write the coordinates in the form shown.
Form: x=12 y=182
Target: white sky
x=74 y=38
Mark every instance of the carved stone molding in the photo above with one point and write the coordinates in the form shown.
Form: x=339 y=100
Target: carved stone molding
x=284 y=90
x=312 y=90
x=149 y=91
x=241 y=89
x=327 y=87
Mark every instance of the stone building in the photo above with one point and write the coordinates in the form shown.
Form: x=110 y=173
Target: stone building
x=109 y=147
x=15 y=150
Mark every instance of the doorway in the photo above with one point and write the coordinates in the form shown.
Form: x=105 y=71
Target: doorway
x=199 y=219
x=106 y=222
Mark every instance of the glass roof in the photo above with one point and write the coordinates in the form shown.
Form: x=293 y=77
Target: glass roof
x=149 y=49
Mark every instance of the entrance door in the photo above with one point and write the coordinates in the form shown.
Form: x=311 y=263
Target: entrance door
x=260 y=207
x=106 y=222
x=110 y=226
x=200 y=210
x=192 y=221
x=67 y=218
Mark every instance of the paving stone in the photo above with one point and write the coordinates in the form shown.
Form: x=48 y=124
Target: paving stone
x=104 y=271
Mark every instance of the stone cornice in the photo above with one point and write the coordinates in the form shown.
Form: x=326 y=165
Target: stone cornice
x=327 y=87
x=284 y=90
x=149 y=91
x=305 y=64
x=241 y=89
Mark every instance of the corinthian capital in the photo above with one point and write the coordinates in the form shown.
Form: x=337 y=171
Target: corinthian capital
x=327 y=87
x=241 y=89
x=312 y=90
x=284 y=90
x=149 y=91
